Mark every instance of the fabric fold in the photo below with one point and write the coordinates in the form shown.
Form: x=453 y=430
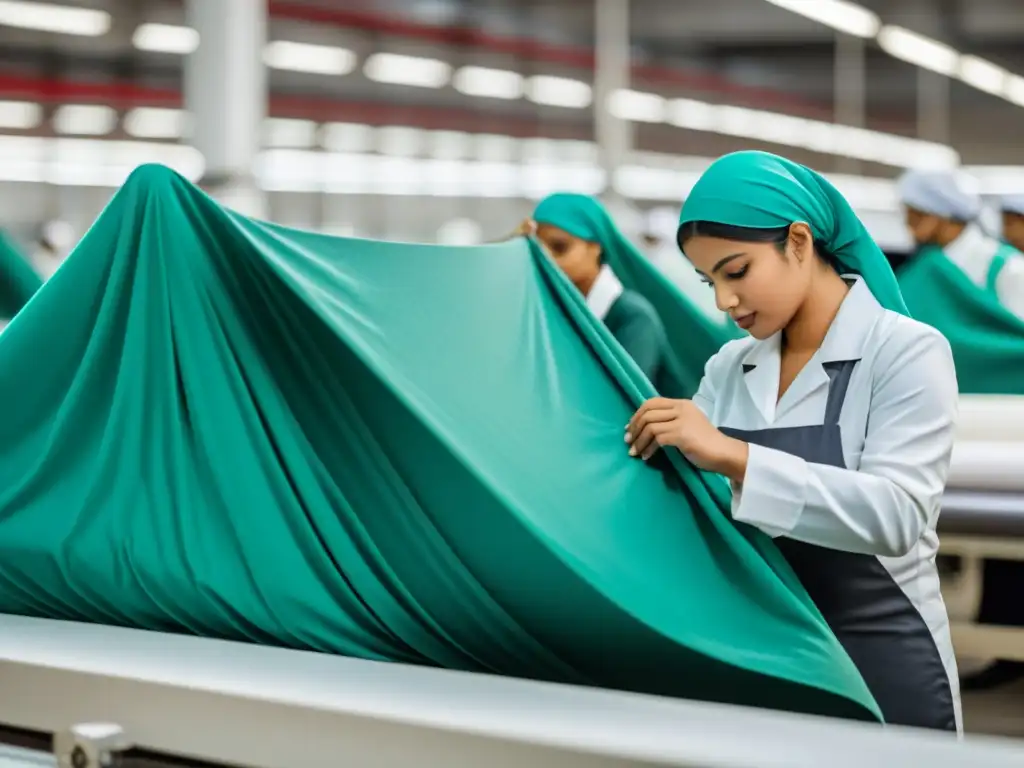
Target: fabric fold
x=388 y=451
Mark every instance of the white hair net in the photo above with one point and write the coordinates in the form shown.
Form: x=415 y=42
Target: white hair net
x=940 y=193
x=1012 y=204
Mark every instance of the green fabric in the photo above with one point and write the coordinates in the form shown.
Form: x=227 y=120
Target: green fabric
x=987 y=339
x=693 y=338
x=995 y=267
x=633 y=323
x=765 y=191
x=18 y=280
x=389 y=451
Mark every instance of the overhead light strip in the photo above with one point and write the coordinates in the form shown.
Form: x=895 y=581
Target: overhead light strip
x=911 y=47
x=58 y=19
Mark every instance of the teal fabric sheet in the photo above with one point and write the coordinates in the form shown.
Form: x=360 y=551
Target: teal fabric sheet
x=387 y=451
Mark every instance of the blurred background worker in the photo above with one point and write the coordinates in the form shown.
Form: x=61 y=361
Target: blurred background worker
x=1012 y=209
x=578 y=233
x=943 y=211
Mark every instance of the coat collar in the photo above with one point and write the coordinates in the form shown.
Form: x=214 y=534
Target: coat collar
x=846 y=339
x=605 y=291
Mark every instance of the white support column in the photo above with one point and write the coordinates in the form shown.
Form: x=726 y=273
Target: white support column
x=849 y=89
x=226 y=95
x=611 y=72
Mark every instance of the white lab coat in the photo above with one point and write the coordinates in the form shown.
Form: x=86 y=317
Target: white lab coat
x=897 y=428
x=973 y=252
x=605 y=291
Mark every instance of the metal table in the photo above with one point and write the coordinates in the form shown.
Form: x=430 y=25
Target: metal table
x=265 y=707
x=975 y=525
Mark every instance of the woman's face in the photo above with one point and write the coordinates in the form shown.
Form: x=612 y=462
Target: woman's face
x=757 y=284
x=927 y=229
x=579 y=259
x=924 y=228
x=1013 y=229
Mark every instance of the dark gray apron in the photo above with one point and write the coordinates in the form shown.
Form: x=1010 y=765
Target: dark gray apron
x=881 y=630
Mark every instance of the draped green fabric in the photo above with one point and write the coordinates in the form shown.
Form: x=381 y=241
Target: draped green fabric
x=18 y=280
x=765 y=191
x=986 y=338
x=387 y=451
x=693 y=338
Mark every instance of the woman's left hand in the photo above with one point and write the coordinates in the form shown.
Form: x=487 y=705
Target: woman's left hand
x=663 y=422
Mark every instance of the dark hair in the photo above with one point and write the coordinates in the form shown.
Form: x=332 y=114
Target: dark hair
x=775 y=235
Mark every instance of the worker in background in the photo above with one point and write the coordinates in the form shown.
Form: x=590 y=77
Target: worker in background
x=942 y=211
x=578 y=233
x=1012 y=208
x=834 y=419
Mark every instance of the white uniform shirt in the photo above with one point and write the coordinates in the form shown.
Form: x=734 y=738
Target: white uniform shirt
x=973 y=252
x=604 y=292
x=897 y=428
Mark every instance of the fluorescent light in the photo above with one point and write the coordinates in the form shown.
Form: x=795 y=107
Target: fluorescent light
x=448 y=178
x=291 y=170
x=400 y=141
x=165 y=38
x=290 y=133
x=460 y=232
x=399 y=176
x=559 y=92
x=540 y=150
x=541 y=179
x=577 y=151
x=692 y=114
x=844 y=16
x=20 y=115
x=449 y=145
x=495 y=148
x=155 y=123
x=637 y=106
x=60 y=19
x=89 y=162
x=488 y=83
x=816 y=135
x=493 y=179
x=398 y=69
x=84 y=120
x=347 y=137
x=304 y=57
x=982 y=74
x=644 y=183
x=920 y=50
x=1014 y=90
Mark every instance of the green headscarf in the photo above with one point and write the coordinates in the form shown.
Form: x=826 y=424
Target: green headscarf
x=18 y=280
x=692 y=337
x=764 y=191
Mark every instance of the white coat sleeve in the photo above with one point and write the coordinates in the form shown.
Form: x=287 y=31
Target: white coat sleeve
x=1010 y=285
x=883 y=507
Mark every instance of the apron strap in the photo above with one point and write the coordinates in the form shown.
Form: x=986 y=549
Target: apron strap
x=839 y=374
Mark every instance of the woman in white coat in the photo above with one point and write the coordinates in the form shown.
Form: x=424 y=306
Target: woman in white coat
x=834 y=420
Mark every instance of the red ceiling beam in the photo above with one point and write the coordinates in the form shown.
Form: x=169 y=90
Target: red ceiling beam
x=125 y=95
